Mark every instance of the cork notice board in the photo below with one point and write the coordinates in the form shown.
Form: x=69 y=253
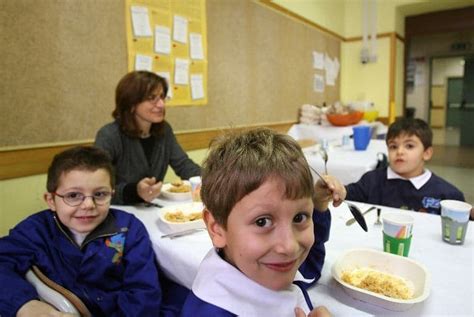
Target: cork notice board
x=61 y=62
x=169 y=38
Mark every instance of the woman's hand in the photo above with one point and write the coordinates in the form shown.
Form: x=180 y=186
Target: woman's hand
x=148 y=189
x=35 y=308
x=320 y=311
x=334 y=191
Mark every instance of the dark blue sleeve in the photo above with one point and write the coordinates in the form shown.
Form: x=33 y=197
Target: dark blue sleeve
x=313 y=265
x=16 y=256
x=195 y=307
x=141 y=291
x=357 y=191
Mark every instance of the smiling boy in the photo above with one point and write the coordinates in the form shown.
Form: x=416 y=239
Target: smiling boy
x=266 y=221
x=104 y=256
x=406 y=183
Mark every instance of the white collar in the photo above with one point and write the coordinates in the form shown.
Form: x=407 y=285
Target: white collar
x=417 y=181
x=221 y=284
x=78 y=237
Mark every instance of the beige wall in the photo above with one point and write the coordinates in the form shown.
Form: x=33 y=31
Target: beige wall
x=368 y=82
x=321 y=12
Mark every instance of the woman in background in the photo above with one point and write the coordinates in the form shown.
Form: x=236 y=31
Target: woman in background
x=140 y=142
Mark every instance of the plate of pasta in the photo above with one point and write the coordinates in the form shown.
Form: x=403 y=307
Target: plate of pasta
x=390 y=281
x=181 y=217
x=177 y=191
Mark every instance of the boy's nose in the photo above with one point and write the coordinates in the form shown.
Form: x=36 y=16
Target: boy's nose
x=88 y=202
x=287 y=242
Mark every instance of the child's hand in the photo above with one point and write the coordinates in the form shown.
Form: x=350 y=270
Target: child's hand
x=320 y=311
x=334 y=190
x=35 y=308
x=148 y=189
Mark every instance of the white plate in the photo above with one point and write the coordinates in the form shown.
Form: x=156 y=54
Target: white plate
x=387 y=263
x=187 y=208
x=165 y=192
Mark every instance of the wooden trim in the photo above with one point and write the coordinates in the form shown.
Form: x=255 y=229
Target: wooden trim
x=24 y=162
x=298 y=17
x=454 y=20
x=380 y=35
x=384 y=120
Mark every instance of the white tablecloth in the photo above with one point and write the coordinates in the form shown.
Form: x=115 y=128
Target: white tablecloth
x=329 y=132
x=345 y=163
x=451 y=266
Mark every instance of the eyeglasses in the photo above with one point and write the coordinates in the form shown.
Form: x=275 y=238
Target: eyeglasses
x=74 y=199
x=154 y=99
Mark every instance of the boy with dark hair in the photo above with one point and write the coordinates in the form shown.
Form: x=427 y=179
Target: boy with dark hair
x=406 y=183
x=268 y=223
x=103 y=256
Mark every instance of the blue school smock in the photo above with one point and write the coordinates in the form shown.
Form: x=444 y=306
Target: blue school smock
x=113 y=272
x=215 y=270
x=375 y=187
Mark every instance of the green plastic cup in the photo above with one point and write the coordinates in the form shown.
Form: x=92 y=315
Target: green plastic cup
x=397 y=246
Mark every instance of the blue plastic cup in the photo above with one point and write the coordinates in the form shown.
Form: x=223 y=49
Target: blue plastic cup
x=362 y=136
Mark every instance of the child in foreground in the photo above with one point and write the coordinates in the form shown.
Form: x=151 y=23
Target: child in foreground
x=266 y=220
x=406 y=183
x=104 y=256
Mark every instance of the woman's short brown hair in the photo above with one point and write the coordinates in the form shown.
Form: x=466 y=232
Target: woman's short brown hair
x=240 y=162
x=134 y=88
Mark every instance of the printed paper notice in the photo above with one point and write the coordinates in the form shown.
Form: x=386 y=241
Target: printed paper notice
x=318 y=60
x=180 y=29
x=140 y=21
x=166 y=75
x=143 y=62
x=197 y=90
x=195 y=46
x=181 y=71
x=162 y=40
x=318 y=84
x=332 y=70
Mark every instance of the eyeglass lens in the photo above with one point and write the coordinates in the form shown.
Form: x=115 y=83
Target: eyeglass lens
x=75 y=199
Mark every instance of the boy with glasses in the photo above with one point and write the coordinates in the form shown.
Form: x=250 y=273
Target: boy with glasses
x=103 y=256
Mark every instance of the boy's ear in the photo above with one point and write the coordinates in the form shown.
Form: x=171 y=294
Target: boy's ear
x=49 y=199
x=215 y=230
x=428 y=153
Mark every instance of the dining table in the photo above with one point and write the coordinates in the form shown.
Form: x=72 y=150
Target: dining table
x=450 y=266
x=344 y=162
x=331 y=133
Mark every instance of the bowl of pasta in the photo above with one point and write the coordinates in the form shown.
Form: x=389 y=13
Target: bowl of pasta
x=177 y=191
x=383 y=279
x=180 y=217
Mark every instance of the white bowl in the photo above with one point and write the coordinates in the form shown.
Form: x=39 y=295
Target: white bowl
x=386 y=263
x=165 y=192
x=187 y=208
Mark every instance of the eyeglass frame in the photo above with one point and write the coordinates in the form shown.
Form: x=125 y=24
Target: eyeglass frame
x=111 y=194
x=154 y=99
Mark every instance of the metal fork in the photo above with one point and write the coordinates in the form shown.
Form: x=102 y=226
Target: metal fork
x=182 y=233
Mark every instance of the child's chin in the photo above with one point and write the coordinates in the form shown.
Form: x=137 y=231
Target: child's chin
x=279 y=286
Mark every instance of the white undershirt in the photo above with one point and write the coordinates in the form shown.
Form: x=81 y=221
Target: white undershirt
x=78 y=237
x=417 y=181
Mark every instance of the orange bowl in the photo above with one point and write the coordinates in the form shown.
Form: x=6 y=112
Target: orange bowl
x=342 y=120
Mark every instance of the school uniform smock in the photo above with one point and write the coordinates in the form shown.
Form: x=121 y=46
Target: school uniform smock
x=221 y=290
x=235 y=296
x=385 y=187
x=131 y=163
x=113 y=272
